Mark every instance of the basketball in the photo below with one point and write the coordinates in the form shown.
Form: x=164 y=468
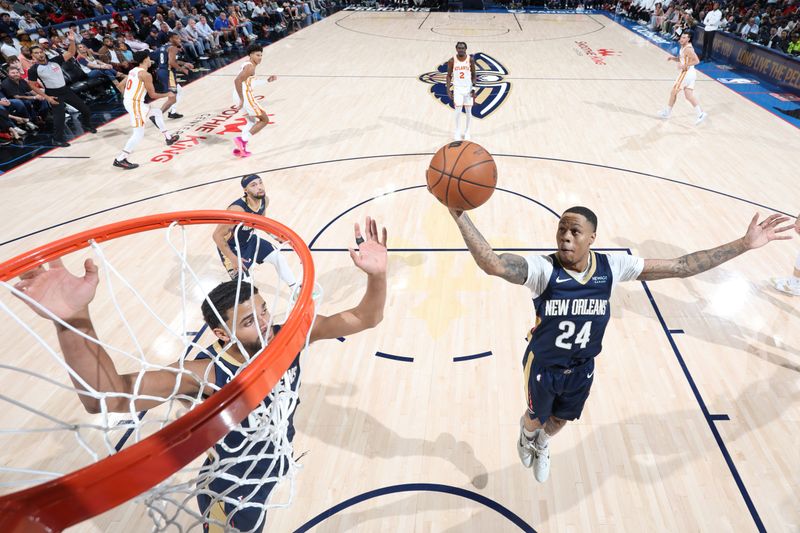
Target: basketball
x=462 y=175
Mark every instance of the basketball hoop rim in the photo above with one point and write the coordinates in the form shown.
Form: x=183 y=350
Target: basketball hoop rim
x=94 y=489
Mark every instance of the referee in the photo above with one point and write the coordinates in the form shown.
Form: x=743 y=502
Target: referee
x=49 y=73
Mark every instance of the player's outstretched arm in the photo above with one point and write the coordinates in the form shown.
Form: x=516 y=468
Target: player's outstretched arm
x=758 y=234
x=510 y=267
x=68 y=296
x=371 y=257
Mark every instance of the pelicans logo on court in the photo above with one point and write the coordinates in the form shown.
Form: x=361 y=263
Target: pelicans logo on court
x=492 y=88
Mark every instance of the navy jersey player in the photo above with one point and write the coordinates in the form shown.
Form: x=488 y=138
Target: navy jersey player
x=68 y=297
x=571 y=290
x=167 y=63
x=249 y=246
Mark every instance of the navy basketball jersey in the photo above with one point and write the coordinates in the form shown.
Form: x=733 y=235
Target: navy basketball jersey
x=571 y=316
x=162 y=57
x=244 y=232
x=237 y=441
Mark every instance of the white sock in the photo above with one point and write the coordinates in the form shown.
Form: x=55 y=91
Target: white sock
x=530 y=435
x=542 y=439
x=284 y=272
x=159 y=118
x=458 y=119
x=247 y=128
x=178 y=96
x=138 y=135
x=698 y=110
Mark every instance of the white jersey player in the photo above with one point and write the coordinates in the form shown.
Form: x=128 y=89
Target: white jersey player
x=461 y=79
x=139 y=84
x=686 y=59
x=243 y=98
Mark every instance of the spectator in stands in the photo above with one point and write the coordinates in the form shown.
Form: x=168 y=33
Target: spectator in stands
x=711 y=24
x=193 y=33
x=8 y=129
x=730 y=25
x=14 y=106
x=9 y=46
x=94 y=67
x=206 y=31
x=145 y=26
x=16 y=87
x=89 y=40
x=243 y=26
x=135 y=44
x=7 y=25
x=212 y=8
x=223 y=26
x=794 y=45
x=29 y=24
x=749 y=30
x=193 y=48
x=108 y=54
x=122 y=50
x=56 y=91
x=25 y=60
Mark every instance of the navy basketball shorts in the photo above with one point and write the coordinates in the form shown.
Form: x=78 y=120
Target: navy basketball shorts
x=165 y=81
x=243 y=519
x=254 y=249
x=561 y=393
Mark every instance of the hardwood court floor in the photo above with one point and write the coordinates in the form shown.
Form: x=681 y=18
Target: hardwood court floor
x=699 y=378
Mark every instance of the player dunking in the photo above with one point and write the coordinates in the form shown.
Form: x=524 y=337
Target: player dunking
x=167 y=63
x=461 y=79
x=686 y=59
x=247 y=481
x=243 y=97
x=571 y=289
x=137 y=85
x=250 y=247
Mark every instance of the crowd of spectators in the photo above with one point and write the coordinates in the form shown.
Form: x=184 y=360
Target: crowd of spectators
x=774 y=23
x=104 y=36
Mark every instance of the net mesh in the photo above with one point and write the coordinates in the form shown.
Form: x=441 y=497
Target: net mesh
x=230 y=485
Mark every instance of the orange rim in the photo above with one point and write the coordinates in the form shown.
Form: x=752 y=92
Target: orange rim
x=94 y=489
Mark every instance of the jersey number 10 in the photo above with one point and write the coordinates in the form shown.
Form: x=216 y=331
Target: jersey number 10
x=565 y=339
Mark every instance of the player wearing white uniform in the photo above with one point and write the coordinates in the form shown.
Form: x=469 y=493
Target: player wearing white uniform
x=791 y=285
x=461 y=79
x=139 y=84
x=243 y=98
x=686 y=59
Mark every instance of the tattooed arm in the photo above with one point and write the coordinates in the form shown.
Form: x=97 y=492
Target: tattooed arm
x=510 y=267
x=688 y=265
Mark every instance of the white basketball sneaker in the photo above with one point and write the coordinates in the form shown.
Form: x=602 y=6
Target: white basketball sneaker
x=467 y=136
x=457 y=136
x=541 y=462
x=787 y=285
x=524 y=448
x=663 y=114
x=700 y=118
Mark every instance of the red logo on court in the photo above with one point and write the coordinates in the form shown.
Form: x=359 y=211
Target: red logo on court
x=597 y=56
x=194 y=133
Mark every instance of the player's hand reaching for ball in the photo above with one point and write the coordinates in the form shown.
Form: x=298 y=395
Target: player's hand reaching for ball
x=65 y=295
x=759 y=234
x=371 y=256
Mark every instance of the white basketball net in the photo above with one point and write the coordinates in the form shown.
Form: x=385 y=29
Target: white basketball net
x=238 y=472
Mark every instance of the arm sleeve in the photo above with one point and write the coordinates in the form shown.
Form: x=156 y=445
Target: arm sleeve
x=625 y=267
x=539 y=270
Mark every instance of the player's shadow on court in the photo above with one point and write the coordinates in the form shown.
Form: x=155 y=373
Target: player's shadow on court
x=382 y=442
x=738 y=336
x=644 y=450
x=446 y=134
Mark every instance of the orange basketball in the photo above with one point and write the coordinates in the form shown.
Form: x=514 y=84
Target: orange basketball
x=462 y=175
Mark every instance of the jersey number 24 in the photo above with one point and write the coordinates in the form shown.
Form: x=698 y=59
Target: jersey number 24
x=566 y=341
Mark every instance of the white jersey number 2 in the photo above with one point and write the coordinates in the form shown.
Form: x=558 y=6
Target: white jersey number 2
x=581 y=339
